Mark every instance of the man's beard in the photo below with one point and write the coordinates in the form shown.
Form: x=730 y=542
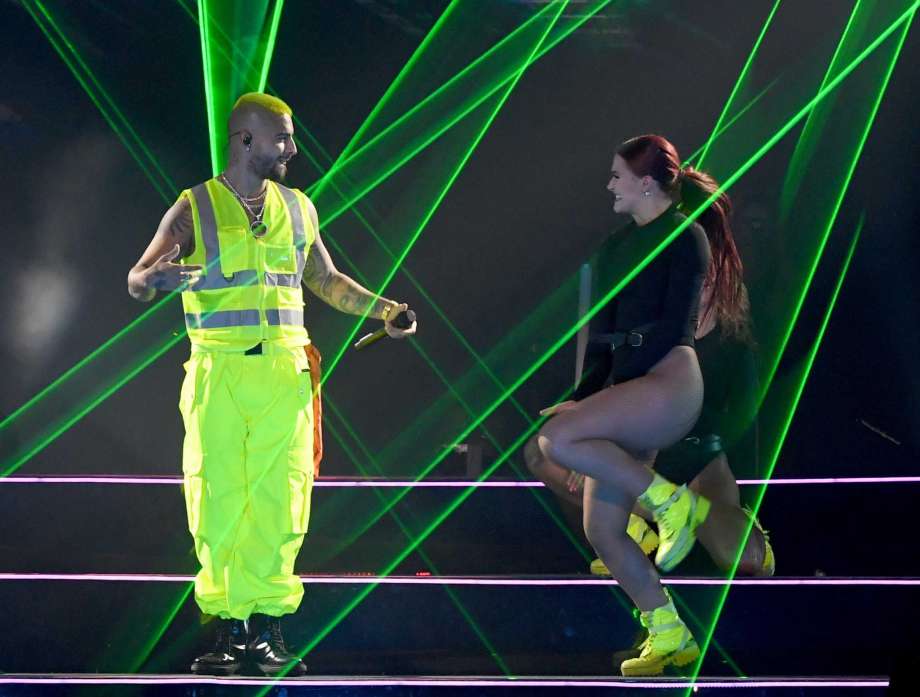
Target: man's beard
x=275 y=171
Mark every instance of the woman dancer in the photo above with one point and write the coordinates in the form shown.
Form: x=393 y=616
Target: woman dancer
x=613 y=436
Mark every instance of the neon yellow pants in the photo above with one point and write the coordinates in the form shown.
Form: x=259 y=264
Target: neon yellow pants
x=248 y=468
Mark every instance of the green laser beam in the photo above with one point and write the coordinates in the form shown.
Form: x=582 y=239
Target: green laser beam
x=429 y=529
x=397 y=82
x=440 y=197
x=793 y=171
x=348 y=154
x=718 y=131
x=467 y=615
x=100 y=98
x=738 y=83
x=270 y=46
x=775 y=455
x=414 y=139
x=905 y=19
x=223 y=76
x=203 y=30
x=727 y=184
x=154 y=640
x=89 y=406
x=159 y=304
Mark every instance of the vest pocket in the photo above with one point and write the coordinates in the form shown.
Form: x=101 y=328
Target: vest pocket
x=280 y=258
x=235 y=249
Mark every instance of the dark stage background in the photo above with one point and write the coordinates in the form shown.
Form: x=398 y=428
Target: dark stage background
x=527 y=209
x=499 y=257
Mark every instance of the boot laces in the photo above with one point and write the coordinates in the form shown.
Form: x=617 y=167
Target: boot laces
x=274 y=632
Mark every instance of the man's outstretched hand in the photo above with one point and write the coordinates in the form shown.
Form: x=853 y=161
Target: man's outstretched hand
x=164 y=275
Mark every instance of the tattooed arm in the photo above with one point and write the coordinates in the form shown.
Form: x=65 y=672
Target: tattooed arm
x=174 y=239
x=335 y=288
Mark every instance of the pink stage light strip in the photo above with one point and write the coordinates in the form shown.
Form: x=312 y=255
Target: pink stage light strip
x=332 y=482
x=653 y=684
x=357 y=579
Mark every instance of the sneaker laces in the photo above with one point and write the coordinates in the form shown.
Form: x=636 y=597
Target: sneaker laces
x=750 y=514
x=664 y=525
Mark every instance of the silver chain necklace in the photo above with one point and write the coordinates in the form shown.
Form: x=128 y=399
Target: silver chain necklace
x=257 y=227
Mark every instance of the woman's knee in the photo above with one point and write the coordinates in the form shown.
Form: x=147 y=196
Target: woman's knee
x=533 y=457
x=553 y=440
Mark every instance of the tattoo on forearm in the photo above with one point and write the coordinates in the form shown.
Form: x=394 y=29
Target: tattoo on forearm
x=347 y=296
x=336 y=289
x=181 y=231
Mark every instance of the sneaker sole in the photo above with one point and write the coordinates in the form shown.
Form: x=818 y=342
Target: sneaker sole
x=681 y=658
x=215 y=670
x=272 y=671
x=679 y=551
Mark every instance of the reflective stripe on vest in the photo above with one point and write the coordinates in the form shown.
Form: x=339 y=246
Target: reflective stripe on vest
x=279 y=317
x=223 y=318
x=213 y=279
x=242 y=318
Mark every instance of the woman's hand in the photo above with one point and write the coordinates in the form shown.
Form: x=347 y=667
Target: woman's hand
x=557 y=408
x=575 y=482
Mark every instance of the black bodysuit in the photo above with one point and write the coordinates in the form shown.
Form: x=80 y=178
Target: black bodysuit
x=663 y=300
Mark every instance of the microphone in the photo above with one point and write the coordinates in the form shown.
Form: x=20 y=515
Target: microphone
x=403 y=320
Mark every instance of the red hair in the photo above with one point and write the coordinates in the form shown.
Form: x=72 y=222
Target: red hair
x=654 y=156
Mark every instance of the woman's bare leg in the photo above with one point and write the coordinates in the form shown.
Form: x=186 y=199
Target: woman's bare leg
x=724 y=527
x=606 y=512
x=612 y=438
x=556 y=477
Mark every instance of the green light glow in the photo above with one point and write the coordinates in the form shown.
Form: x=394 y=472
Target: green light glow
x=415 y=134
x=905 y=19
x=730 y=181
x=225 y=75
x=468 y=617
x=493 y=112
x=102 y=100
x=158 y=305
x=806 y=138
x=738 y=84
x=394 y=86
x=419 y=539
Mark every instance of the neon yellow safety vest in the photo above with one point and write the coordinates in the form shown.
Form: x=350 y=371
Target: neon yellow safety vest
x=251 y=289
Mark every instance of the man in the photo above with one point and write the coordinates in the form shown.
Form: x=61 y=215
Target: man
x=246 y=243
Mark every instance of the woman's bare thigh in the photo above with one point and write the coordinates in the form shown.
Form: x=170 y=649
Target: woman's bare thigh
x=642 y=415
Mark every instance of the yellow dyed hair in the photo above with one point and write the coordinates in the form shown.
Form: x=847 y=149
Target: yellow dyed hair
x=266 y=101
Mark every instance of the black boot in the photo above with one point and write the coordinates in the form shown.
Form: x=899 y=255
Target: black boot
x=229 y=650
x=266 y=648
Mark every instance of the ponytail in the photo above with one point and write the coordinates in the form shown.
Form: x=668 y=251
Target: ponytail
x=724 y=280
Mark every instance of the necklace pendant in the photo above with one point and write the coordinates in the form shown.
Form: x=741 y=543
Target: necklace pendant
x=258 y=228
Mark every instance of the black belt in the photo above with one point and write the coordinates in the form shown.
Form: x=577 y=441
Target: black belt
x=709 y=443
x=634 y=337
x=254 y=351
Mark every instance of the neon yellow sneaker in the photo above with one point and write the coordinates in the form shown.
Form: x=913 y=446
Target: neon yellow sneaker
x=678 y=517
x=641 y=533
x=669 y=643
x=769 y=561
